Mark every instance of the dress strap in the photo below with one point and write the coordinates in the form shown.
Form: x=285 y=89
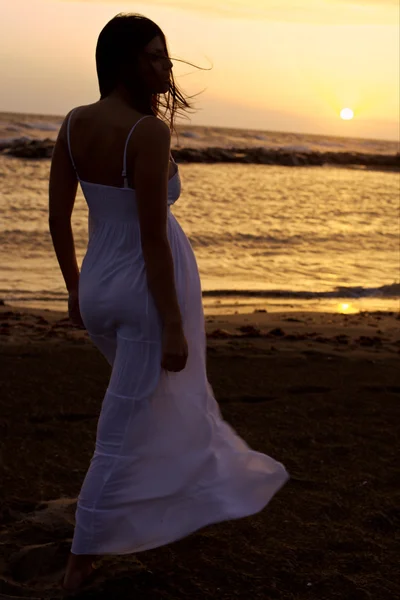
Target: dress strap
x=69 y=141
x=126 y=147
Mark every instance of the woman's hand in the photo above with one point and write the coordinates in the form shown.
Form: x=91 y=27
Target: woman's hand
x=174 y=348
x=73 y=308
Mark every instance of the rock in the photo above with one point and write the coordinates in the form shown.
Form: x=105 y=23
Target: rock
x=278 y=332
x=365 y=340
x=31 y=148
x=342 y=338
x=27 y=148
x=188 y=155
x=219 y=333
x=249 y=330
x=52 y=333
x=63 y=325
x=293 y=320
x=38 y=560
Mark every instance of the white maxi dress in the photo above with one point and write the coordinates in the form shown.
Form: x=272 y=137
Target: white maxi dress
x=165 y=463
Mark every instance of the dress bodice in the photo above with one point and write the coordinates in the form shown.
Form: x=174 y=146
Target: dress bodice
x=116 y=203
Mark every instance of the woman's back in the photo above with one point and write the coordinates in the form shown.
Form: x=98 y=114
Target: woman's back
x=113 y=278
x=98 y=134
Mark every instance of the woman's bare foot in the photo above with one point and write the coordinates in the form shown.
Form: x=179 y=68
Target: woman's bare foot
x=79 y=568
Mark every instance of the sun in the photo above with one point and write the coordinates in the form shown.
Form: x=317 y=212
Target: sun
x=346 y=114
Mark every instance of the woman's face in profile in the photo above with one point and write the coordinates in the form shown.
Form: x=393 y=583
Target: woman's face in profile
x=155 y=66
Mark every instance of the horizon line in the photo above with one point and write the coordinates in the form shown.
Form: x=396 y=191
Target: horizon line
x=393 y=140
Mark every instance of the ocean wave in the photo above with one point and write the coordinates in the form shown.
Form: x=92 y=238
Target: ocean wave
x=263 y=243
x=35 y=241
x=391 y=290
x=21 y=294
x=294 y=148
x=238 y=239
x=40 y=126
x=190 y=134
x=198 y=136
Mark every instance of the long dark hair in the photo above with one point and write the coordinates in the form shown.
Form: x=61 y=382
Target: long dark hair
x=118 y=47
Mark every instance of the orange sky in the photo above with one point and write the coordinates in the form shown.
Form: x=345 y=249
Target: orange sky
x=287 y=65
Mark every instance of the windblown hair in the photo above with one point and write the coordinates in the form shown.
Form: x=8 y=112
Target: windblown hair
x=118 y=47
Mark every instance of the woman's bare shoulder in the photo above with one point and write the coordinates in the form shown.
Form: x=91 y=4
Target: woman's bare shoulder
x=91 y=112
x=91 y=117
x=66 y=120
x=84 y=109
x=153 y=130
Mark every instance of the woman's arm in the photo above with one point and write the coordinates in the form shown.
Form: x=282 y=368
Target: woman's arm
x=63 y=185
x=151 y=172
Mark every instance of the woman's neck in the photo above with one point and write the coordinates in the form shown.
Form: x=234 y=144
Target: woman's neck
x=139 y=102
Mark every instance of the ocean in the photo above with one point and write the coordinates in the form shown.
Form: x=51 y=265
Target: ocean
x=271 y=237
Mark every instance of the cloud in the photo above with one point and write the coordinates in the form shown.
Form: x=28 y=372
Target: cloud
x=335 y=12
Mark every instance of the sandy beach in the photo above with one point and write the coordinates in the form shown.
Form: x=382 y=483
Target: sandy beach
x=317 y=391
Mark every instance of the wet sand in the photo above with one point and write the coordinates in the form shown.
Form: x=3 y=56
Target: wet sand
x=319 y=392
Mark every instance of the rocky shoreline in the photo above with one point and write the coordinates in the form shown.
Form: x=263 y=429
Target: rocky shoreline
x=34 y=149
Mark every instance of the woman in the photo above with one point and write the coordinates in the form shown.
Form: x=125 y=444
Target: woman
x=165 y=462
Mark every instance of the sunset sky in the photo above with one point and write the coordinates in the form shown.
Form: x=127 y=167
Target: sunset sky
x=283 y=65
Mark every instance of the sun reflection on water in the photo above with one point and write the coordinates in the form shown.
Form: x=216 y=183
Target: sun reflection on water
x=346 y=308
